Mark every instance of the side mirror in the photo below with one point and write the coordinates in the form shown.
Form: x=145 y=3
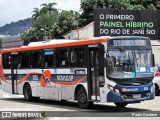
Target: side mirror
x=153 y=61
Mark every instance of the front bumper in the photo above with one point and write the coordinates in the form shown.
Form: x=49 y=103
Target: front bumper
x=129 y=97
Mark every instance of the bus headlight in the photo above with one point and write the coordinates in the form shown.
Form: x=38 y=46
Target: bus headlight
x=113 y=89
x=117 y=91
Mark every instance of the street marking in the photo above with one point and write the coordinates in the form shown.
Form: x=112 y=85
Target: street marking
x=12 y=96
x=154 y=108
x=56 y=118
x=20 y=96
x=6 y=96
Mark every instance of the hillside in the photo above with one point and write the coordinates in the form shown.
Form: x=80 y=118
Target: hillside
x=15 y=28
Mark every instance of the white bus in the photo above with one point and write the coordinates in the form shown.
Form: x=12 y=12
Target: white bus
x=102 y=69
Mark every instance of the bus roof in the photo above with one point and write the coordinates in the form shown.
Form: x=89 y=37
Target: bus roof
x=56 y=44
x=65 y=43
x=119 y=37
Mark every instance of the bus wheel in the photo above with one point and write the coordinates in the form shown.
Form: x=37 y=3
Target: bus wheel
x=156 y=90
x=27 y=92
x=121 y=105
x=82 y=99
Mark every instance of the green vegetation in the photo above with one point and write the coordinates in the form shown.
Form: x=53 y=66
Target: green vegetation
x=48 y=21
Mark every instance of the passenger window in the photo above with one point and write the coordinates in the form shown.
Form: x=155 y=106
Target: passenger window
x=36 y=59
x=77 y=57
x=6 y=60
x=62 y=58
x=24 y=60
x=48 y=58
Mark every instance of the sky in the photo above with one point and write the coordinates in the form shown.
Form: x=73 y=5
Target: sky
x=14 y=10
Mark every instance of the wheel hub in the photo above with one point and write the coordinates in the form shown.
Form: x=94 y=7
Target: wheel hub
x=82 y=98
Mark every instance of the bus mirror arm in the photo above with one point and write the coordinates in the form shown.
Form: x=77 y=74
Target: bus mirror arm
x=105 y=62
x=153 y=62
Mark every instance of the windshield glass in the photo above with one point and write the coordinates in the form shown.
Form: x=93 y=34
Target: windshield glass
x=129 y=63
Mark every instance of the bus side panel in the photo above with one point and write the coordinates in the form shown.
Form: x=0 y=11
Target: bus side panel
x=33 y=79
x=20 y=88
x=51 y=92
x=6 y=87
x=67 y=92
x=66 y=81
x=33 y=85
x=6 y=84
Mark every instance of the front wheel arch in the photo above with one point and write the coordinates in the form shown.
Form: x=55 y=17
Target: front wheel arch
x=157 y=89
x=24 y=86
x=76 y=90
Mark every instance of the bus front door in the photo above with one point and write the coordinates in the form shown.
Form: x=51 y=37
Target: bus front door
x=14 y=66
x=93 y=68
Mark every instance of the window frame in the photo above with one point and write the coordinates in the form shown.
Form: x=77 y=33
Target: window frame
x=70 y=49
x=54 y=58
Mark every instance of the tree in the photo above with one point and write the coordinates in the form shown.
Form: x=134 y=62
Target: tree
x=118 y=4
x=44 y=20
x=87 y=8
x=47 y=21
x=67 y=20
x=48 y=8
x=36 y=13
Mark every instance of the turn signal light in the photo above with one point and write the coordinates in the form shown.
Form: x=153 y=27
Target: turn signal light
x=124 y=89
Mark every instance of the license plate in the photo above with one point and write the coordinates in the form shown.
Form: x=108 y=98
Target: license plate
x=136 y=96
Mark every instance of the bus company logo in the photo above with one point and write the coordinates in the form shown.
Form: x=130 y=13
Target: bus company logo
x=129 y=89
x=65 y=77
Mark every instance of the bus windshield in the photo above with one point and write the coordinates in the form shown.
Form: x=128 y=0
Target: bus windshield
x=124 y=63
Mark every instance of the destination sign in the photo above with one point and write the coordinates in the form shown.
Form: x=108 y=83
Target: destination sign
x=128 y=43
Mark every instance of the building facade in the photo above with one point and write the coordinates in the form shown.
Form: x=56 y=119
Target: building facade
x=11 y=42
x=82 y=33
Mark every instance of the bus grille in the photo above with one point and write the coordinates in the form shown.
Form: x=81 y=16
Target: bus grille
x=135 y=96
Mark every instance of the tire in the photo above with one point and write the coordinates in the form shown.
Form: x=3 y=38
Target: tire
x=28 y=93
x=83 y=99
x=156 y=90
x=121 y=105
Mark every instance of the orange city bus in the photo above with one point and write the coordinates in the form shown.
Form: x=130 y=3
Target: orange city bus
x=103 y=69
